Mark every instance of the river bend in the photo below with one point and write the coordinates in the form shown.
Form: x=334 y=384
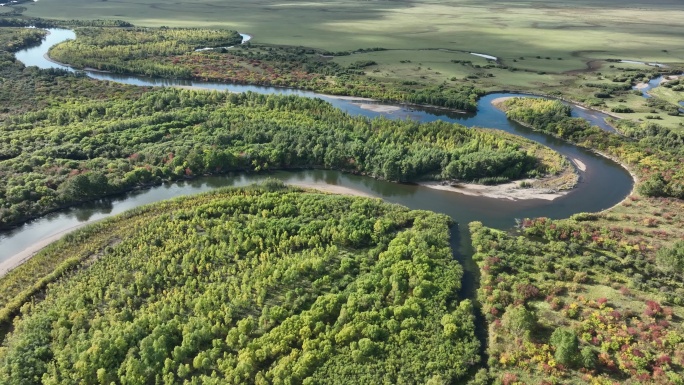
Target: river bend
x=603 y=184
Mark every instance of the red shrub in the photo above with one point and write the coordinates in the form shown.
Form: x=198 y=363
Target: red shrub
x=509 y=378
x=653 y=309
x=527 y=291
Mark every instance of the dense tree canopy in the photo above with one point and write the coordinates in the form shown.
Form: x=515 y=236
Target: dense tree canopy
x=671 y=260
x=255 y=285
x=128 y=50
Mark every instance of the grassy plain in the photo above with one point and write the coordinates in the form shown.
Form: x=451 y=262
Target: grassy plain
x=575 y=31
x=668 y=94
x=554 y=47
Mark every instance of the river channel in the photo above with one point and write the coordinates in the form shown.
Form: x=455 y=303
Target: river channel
x=603 y=184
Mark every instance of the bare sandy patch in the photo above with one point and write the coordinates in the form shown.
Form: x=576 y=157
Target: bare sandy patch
x=666 y=79
x=342 y=97
x=580 y=165
x=511 y=191
x=382 y=108
x=198 y=88
x=48 y=58
x=17 y=259
x=499 y=101
x=329 y=188
x=641 y=86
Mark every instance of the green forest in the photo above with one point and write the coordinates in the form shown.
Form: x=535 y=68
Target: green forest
x=81 y=150
x=257 y=285
x=129 y=50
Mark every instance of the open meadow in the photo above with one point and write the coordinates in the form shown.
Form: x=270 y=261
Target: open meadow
x=547 y=47
x=574 y=31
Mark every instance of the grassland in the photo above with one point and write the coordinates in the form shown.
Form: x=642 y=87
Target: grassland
x=551 y=47
x=571 y=30
x=668 y=94
x=576 y=31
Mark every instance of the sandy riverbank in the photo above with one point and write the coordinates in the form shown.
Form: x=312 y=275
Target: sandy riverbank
x=48 y=58
x=197 y=88
x=17 y=259
x=668 y=78
x=499 y=101
x=329 y=188
x=353 y=98
x=511 y=191
x=382 y=108
x=580 y=165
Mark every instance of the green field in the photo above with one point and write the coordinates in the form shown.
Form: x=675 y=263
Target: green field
x=547 y=47
x=575 y=31
x=669 y=94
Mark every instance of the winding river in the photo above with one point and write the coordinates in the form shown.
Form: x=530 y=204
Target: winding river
x=602 y=185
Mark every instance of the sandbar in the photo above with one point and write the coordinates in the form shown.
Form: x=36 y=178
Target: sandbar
x=382 y=108
x=511 y=191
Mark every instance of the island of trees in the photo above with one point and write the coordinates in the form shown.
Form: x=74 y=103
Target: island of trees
x=79 y=150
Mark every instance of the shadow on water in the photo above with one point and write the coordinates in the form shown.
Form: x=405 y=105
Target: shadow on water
x=463 y=253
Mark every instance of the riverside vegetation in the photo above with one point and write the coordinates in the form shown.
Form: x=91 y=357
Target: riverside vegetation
x=596 y=298
x=171 y=54
x=554 y=48
x=259 y=285
x=614 y=314
x=374 y=284
x=68 y=139
x=441 y=77
x=654 y=152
